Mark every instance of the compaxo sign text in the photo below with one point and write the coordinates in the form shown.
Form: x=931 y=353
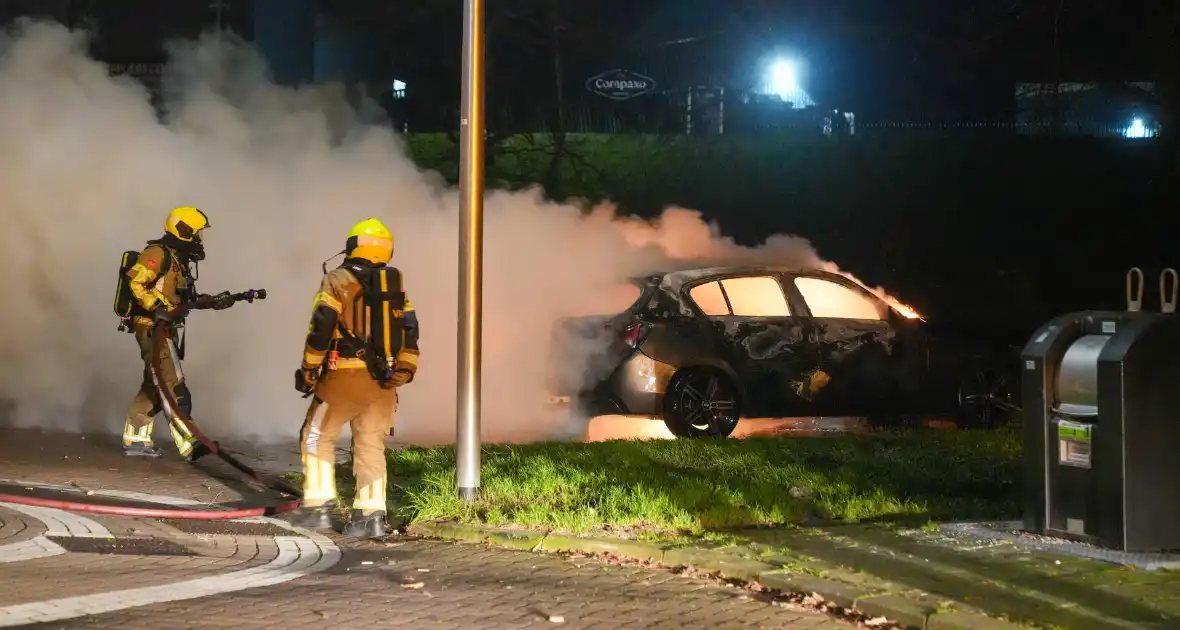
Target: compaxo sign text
x=620 y=85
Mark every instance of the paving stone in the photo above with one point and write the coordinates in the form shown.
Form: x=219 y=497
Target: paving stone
x=226 y=528
x=122 y=546
x=727 y=564
x=844 y=595
x=467 y=590
x=897 y=608
x=15 y=527
x=463 y=586
x=627 y=548
x=96 y=462
x=964 y=620
x=75 y=574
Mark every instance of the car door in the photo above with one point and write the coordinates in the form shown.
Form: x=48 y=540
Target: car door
x=856 y=344
x=758 y=335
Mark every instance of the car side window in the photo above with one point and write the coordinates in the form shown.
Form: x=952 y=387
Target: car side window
x=757 y=296
x=709 y=299
x=828 y=299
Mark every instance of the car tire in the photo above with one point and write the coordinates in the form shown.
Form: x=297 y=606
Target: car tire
x=985 y=398
x=701 y=402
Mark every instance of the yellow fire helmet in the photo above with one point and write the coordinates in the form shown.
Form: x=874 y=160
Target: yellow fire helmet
x=185 y=223
x=370 y=240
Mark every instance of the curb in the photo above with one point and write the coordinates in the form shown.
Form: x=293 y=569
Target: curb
x=871 y=596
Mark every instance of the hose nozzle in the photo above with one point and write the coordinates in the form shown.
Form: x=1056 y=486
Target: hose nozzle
x=253 y=294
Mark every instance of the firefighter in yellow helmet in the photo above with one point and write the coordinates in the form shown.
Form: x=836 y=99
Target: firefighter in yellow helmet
x=361 y=346
x=161 y=278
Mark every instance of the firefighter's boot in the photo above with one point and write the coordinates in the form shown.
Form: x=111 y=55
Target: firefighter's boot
x=199 y=451
x=371 y=525
x=139 y=449
x=318 y=518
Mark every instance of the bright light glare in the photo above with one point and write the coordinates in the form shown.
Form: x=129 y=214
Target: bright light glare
x=1137 y=130
x=784 y=79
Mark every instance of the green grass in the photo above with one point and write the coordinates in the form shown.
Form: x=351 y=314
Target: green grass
x=692 y=486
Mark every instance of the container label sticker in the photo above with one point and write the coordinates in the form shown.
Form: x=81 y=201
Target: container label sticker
x=1108 y=328
x=1029 y=364
x=1073 y=443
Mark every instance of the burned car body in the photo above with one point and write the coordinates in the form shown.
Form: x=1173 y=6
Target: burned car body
x=703 y=347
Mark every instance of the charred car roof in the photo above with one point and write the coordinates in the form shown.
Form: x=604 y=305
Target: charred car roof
x=674 y=279
x=671 y=282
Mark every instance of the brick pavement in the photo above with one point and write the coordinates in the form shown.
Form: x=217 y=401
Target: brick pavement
x=58 y=576
x=463 y=586
x=95 y=461
x=409 y=583
x=16 y=527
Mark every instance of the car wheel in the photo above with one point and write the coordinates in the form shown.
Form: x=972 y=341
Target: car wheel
x=701 y=402
x=986 y=398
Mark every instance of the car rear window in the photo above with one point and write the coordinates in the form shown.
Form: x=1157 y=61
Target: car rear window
x=759 y=296
x=709 y=299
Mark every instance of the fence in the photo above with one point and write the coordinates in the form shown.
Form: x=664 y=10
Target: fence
x=712 y=112
x=700 y=111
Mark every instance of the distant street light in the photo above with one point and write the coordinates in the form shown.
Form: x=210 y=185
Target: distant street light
x=782 y=80
x=471 y=188
x=1138 y=130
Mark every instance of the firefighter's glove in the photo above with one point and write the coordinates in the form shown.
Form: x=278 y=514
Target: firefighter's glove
x=222 y=301
x=305 y=381
x=401 y=376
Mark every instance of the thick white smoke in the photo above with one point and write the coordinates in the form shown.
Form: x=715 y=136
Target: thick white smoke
x=88 y=171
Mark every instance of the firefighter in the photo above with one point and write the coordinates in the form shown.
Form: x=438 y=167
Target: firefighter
x=361 y=346
x=161 y=278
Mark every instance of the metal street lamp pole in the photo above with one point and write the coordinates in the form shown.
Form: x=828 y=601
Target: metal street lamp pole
x=471 y=186
x=217 y=6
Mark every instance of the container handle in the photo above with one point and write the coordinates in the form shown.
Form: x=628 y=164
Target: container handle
x=1168 y=300
x=1134 y=299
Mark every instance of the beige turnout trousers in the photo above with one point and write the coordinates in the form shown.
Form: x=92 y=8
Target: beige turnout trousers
x=146 y=404
x=347 y=396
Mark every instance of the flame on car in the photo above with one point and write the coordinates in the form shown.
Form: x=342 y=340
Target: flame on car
x=682 y=235
x=903 y=309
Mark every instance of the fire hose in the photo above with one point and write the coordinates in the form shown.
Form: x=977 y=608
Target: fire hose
x=162 y=334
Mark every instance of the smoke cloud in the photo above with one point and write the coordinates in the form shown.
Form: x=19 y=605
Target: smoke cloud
x=89 y=170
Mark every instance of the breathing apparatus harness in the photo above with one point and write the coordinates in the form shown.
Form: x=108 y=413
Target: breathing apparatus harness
x=378 y=311
x=176 y=251
x=188 y=255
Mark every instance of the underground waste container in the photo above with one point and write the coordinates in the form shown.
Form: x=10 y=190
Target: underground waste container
x=1102 y=429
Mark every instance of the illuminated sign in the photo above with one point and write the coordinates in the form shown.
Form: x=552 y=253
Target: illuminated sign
x=620 y=85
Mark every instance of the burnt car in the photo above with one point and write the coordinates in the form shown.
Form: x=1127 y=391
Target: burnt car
x=704 y=347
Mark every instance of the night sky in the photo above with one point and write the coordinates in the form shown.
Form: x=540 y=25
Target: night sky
x=901 y=60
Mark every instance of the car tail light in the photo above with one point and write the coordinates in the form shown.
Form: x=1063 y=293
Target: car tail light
x=632 y=334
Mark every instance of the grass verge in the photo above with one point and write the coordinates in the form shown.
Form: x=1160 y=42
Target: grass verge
x=691 y=486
